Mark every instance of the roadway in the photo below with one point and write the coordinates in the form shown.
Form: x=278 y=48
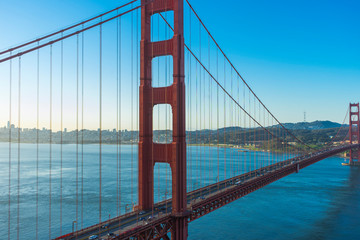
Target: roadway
x=162 y=210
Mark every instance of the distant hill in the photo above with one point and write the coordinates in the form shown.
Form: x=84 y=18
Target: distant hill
x=317 y=125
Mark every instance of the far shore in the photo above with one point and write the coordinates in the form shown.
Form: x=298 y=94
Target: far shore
x=228 y=146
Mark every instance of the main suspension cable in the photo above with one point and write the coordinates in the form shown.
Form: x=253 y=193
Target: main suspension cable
x=74 y=33
x=65 y=29
x=223 y=88
x=228 y=60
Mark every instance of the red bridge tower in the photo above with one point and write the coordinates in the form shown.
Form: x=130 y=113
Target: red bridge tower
x=149 y=152
x=354 y=133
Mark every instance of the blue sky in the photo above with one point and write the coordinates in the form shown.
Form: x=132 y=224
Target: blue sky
x=296 y=55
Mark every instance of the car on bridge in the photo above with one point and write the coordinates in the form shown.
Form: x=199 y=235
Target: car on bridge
x=238 y=182
x=105 y=226
x=111 y=235
x=93 y=237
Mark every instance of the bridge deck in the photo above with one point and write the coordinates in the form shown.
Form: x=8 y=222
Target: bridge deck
x=204 y=200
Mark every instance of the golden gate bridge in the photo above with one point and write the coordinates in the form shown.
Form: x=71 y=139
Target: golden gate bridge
x=154 y=68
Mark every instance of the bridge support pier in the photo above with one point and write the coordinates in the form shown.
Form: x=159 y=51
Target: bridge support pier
x=180 y=228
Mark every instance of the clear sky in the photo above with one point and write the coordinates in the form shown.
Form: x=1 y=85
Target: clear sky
x=296 y=55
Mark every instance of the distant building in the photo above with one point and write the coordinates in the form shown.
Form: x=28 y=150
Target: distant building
x=65 y=130
x=8 y=124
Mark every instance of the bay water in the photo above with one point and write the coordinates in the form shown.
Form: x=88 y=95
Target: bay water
x=321 y=202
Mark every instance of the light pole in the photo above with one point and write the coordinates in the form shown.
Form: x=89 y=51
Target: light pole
x=127 y=208
x=108 y=225
x=73 y=225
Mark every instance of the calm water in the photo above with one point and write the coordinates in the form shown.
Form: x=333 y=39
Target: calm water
x=321 y=202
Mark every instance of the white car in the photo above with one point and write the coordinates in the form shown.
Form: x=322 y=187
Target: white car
x=238 y=182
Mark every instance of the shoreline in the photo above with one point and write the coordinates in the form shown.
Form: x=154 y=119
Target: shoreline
x=224 y=146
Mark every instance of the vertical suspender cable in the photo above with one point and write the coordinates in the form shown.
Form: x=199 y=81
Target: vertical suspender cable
x=189 y=151
x=100 y=122
x=200 y=108
x=231 y=125
x=210 y=116
x=61 y=126
x=224 y=121
x=272 y=143
x=204 y=125
x=249 y=140
x=244 y=131
x=77 y=131
x=263 y=138
x=82 y=128
x=217 y=119
x=132 y=106
x=137 y=80
x=117 y=116
x=37 y=144
x=19 y=130
x=9 y=125
x=203 y=117
x=254 y=139
x=258 y=140
x=237 y=131
x=50 y=144
x=268 y=140
x=119 y=92
x=279 y=144
x=190 y=159
x=196 y=124
x=232 y=166
x=158 y=76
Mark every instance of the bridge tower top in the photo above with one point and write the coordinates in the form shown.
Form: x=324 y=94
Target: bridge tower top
x=354 y=131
